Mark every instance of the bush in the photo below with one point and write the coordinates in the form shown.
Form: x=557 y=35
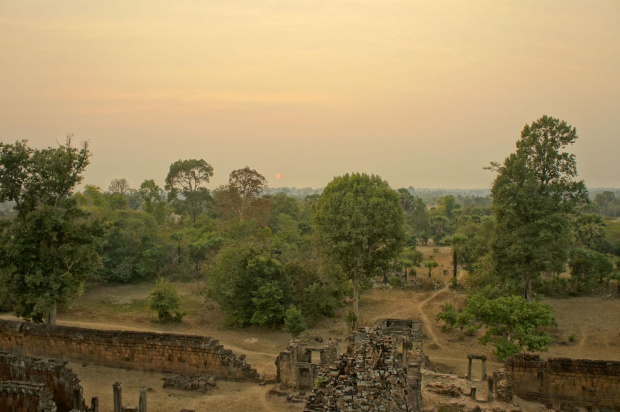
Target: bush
x=395 y=281
x=294 y=322
x=165 y=301
x=449 y=315
x=351 y=319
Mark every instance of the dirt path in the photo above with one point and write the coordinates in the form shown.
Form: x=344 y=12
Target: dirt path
x=428 y=330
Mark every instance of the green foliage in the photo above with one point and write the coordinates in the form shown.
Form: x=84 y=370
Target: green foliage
x=395 y=281
x=294 y=321
x=31 y=177
x=236 y=277
x=512 y=324
x=448 y=315
x=184 y=178
x=430 y=264
x=534 y=195
x=588 y=266
x=48 y=250
x=351 y=319
x=572 y=338
x=359 y=221
x=164 y=299
x=269 y=307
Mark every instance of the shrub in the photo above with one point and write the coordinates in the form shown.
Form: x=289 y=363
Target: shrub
x=351 y=319
x=395 y=281
x=294 y=322
x=449 y=315
x=165 y=301
x=269 y=307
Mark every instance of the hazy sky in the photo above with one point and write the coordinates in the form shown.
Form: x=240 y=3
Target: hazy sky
x=422 y=93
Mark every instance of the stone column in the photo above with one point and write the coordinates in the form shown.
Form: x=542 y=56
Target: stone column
x=484 y=368
x=142 y=403
x=469 y=369
x=117 y=388
x=311 y=377
x=297 y=377
x=473 y=393
x=491 y=388
x=94 y=404
x=77 y=398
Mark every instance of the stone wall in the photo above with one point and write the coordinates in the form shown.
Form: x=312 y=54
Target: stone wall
x=60 y=381
x=563 y=382
x=25 y=397
x=153 y=352
x=370 y=379
x=299 y=355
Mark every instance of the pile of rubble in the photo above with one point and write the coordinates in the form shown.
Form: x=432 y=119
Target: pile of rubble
x=200 y=383
x=369 y=379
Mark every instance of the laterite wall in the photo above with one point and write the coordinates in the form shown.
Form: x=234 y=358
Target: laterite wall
x=562 y=381
x=154 y=352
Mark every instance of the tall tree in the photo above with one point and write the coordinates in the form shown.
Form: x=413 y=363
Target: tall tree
x=120 y=186
x=49 y=248
x=185 y=177
x=533 y=195
x=359 y=221
x=245 y=185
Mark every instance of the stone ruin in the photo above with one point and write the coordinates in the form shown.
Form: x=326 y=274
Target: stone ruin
x=41 y=382
x=563 y=383
x=32 y=384
x=146 y=351
x=26 y=396
x=379 y=372
x=370 y=378
x=297 y=367
x=200 y=383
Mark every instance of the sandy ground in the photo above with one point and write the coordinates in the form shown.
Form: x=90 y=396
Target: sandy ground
x=594 y=321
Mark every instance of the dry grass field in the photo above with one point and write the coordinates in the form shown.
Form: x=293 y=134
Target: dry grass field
x=594 y=322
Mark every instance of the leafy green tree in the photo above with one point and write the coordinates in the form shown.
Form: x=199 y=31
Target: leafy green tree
x=448 y=315
x=419 y=220
x=439 y=228
x=589 y=265
x=164 y=299
x=512 y=324
x=206 y=246
x=245 y=185
x=131 y=249
x=268 y=300
x=359 y=221
x=294 y=322
x=185 y=177
x=237 y=274
x=457 y=242
x=589 y=229
x=534 y=195
x=430 y=265
x=410 y=258
x=49 y=248
x=32 y=177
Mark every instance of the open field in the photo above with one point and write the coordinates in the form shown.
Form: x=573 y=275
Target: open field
x=593 y=321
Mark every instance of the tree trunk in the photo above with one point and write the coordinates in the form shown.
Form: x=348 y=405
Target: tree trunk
x=50 y=319
x=454 y=262
x=527 y=288
x=355 y=300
